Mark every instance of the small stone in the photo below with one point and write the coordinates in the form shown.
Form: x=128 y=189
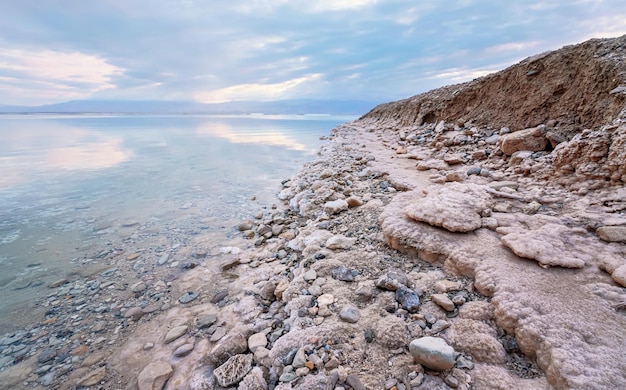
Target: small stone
x=80 y=350
x=218 y=334
x=58 y=283
x=443 y=301
x=299 y=358
x=473 y=171
x=175 y=333
x=47 y=355
x=444 y=286
x=335 y=206
x=310 y=275
x=188 y=297
x=132 y=256
x=302 y=371
x=163 y=259
x=219 y=296
x=288 y=377
x=340 y=242
x=451 y=381
x=183 y=350
x=325 y=300
x=233 y=370
x=206 y=321
x=463 y=362
x=332 y=363
x=154 y=376
x=392 y=280
x=342 y=273
x=93 y=378
x=355 y=382
x=408 y=298
x=310 y=365
x=433 y=352
x=257 y=340
x=47 y=379
x=245 y=225
x=353 y=201
x=350 y=314
x=138 y=287
x=134 y=313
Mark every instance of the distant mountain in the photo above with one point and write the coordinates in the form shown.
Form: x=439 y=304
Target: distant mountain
x=298 y=106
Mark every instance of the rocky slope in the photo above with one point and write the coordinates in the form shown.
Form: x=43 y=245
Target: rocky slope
x=437 y=242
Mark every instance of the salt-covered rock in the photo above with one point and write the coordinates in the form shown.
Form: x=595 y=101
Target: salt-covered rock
x=550 y=244
x=612 y=233
x=335 y=206
x=433 y=352
x=154 y=376
x=533 y=139
x=254 y=380
x=233 y=370
x=340 y=242
x=257 y=340
x=456 y=207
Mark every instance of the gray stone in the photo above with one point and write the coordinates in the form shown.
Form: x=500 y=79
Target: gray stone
x=233 y=370
x=138 y=287
x=47 y=355
x=433 y=352
x=350 y=314
x=163 y=259
x=154 y=376
x=183 y=350
x=47 y=379
x=355 y=382
x=310 y=275
x=299 y=358
x=231 y=345
x=188 y=297
x=408 y=298
x=288 y=377
x=174 y=334
x=342 y=273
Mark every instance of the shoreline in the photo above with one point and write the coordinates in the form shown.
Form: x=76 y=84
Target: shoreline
x=323 y=300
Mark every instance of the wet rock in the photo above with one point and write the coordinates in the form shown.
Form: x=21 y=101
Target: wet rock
x=154 y=376
x=175 y=333
x=233 y=370
x=342 y=273
x=188 y=297
x=408 y=298
x=350 y=314
x=433 y=352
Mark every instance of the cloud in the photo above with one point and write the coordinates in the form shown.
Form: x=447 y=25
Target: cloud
x=255 y=91
x=53 y=75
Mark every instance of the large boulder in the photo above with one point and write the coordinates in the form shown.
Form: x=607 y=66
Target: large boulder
x=533 y=139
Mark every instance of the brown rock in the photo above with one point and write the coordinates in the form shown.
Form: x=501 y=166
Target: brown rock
x=154 y=376
x=93 y=378
x=532 y=139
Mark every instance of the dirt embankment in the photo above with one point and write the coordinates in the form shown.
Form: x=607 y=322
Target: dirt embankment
x=571 y=86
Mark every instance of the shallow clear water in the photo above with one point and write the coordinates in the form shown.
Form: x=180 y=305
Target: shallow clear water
x=73 y=187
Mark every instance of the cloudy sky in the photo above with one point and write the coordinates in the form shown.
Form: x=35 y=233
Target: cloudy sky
x=217 y=50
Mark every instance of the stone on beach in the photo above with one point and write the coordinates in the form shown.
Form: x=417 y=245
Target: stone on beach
x=335 y=206
x=154 y=376
x=533 y=139
x=233 y=370
x=433 y=352
x=340 y=242
x=175 y=333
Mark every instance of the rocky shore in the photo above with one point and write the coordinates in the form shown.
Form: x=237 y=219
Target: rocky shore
x=445 y=250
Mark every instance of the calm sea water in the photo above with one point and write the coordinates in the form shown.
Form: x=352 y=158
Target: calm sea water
x=72 y=187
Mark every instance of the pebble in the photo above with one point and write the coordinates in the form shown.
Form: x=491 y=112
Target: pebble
x=58 y=283
x=342 y=273
x=288 y=377
x=433 y=353
x=392 y=280
x=257 y=340
x=218 y=334
x=163 y=259
x=299 y=358
x=310 y=275
x=444 y=286
x=134 y=313
x=188 y=297
x=325 y=300
x=206 y=321
x=175 y=333
x=408 y=298
x=183 y=350
x=350 y=314
x=47 y=379
x=443 y=301
x=612 y=233
x=138 y=287
x=355 y=382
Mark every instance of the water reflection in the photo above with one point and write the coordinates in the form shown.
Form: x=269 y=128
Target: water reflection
x=264 y=136
x=32 y=148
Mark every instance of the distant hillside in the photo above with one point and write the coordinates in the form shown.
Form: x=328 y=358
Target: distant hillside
x=300 y=106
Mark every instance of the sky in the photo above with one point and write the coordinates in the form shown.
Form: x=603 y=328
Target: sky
x=217 y=50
